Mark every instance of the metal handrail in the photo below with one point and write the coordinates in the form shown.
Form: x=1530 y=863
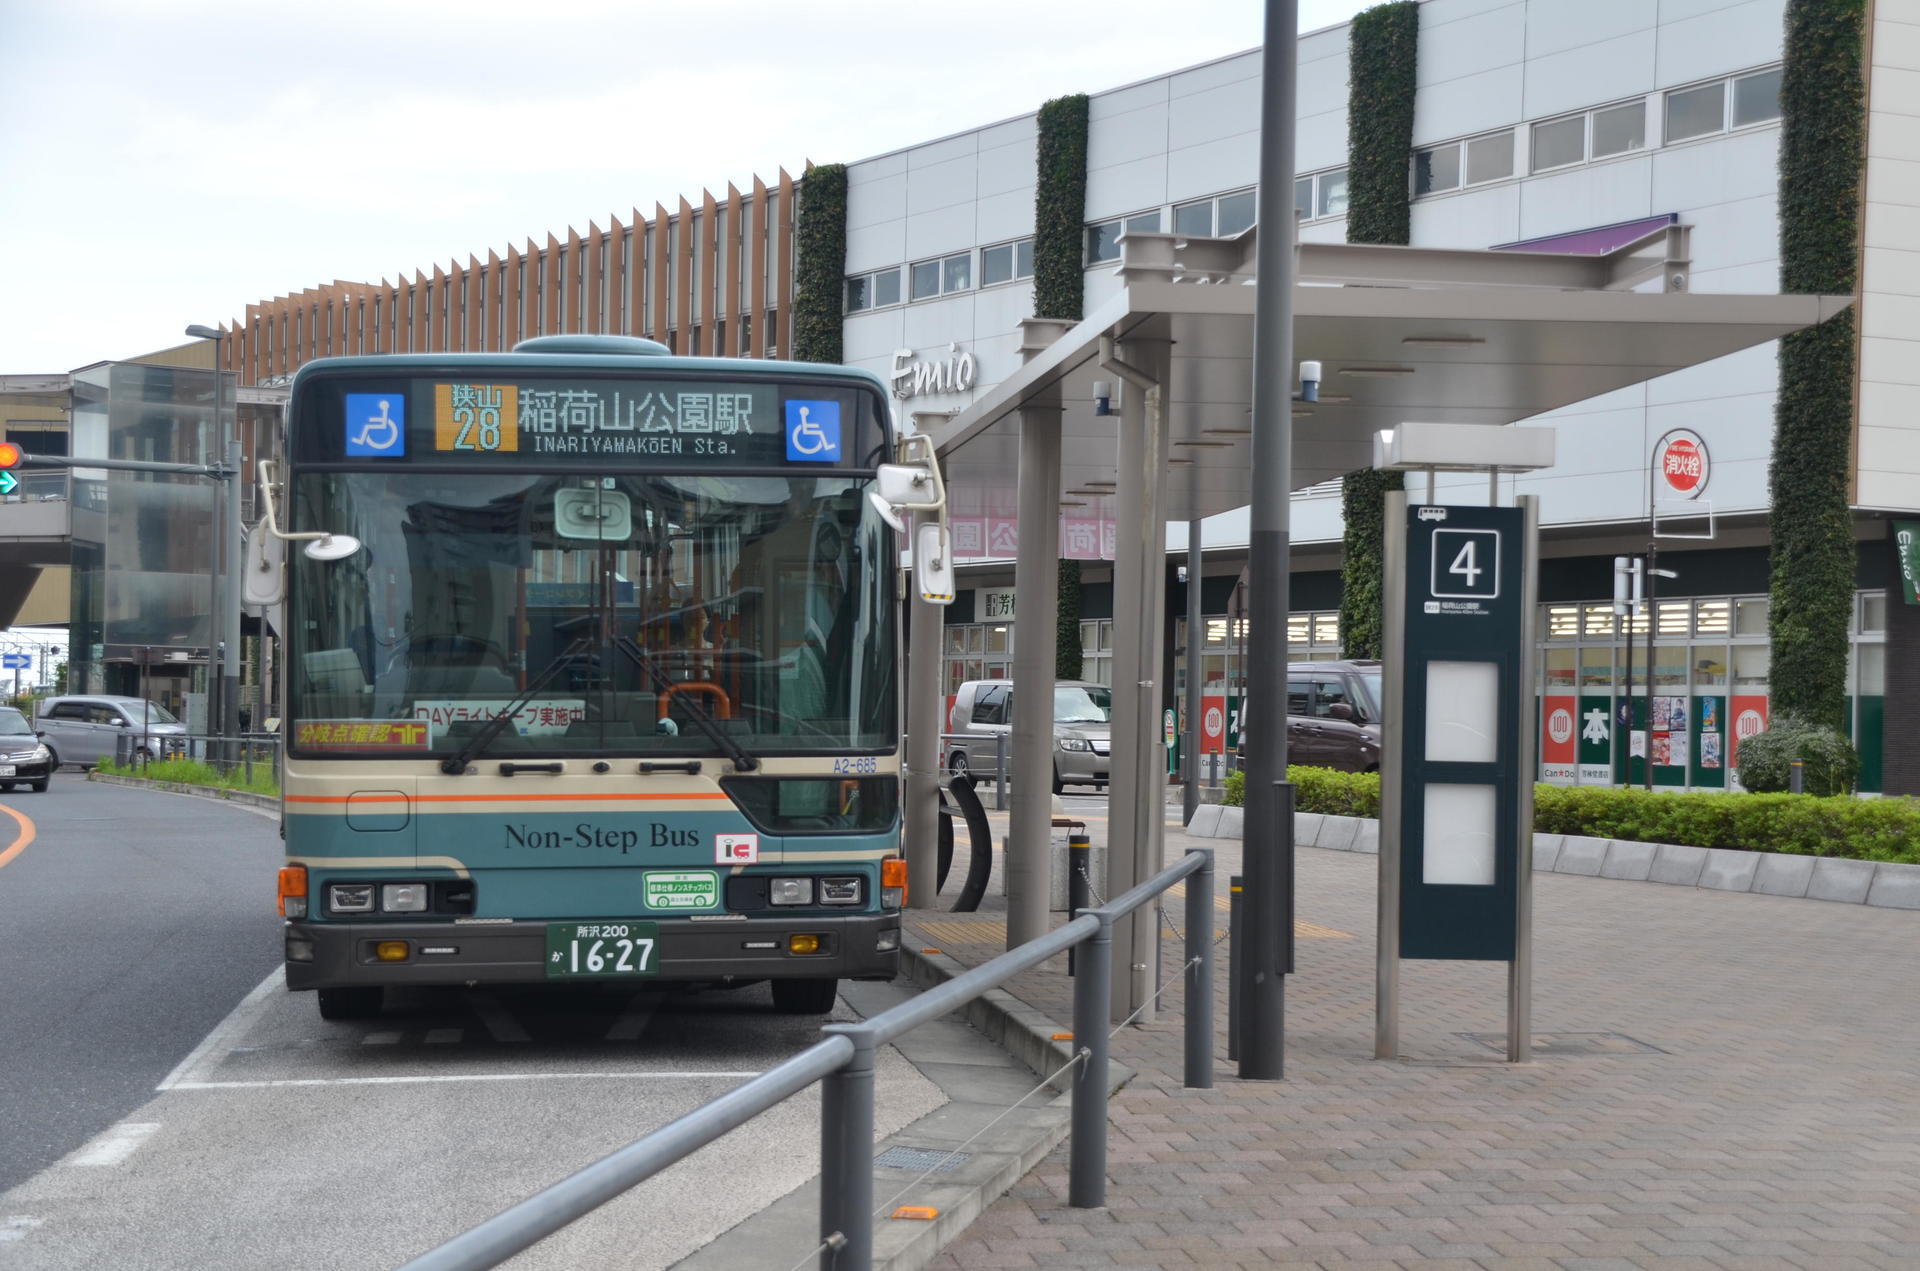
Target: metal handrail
x=844 y=1063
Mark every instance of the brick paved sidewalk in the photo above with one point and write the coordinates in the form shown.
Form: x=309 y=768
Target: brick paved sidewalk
x=1733 y=1082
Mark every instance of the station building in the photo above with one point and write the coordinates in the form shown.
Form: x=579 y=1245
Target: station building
x=1539 y=124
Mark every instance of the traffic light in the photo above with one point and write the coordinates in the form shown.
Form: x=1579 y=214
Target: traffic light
x=10 y=457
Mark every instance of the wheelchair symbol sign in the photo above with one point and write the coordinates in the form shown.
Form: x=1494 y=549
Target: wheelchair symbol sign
x=813 y=431
x=376 y=424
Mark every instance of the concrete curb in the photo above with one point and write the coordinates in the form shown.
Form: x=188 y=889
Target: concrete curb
x=246 y=797
x=997 y=1156
x=1839 y=879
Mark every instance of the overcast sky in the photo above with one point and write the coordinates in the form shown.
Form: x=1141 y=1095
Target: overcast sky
x=164 y=164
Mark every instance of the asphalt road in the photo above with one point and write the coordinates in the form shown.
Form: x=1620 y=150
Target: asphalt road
x=125 y=936
x=167 y=1103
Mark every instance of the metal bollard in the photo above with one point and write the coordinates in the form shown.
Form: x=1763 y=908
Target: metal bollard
x=1797 y=776
x=846 y=1155
x=1233 y=966
x=1087 y=1159
x=1199 y=1004
x=1079 y=881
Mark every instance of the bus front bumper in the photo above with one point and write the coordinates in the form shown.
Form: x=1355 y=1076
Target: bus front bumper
x=325 y=955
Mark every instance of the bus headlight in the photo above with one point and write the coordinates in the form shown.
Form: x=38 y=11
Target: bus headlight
x=403 y=898
x=791 y=891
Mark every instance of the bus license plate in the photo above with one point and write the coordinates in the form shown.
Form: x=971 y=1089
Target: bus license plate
x=602 y=950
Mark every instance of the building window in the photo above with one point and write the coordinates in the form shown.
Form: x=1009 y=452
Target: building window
x=1696 y=112
x=1559 y=142
x=1490 y=158
x=873 y=291
x=1756 y=98
x=1103 y=239
x=1618 y=129
x=1321 y=194
x=929 y=278
x=1436 y=170
x=1220 y=217
x=1006 y=262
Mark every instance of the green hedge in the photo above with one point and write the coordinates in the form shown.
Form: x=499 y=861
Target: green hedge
x=820 y=268
x=1862 y=829
x=1068 y=649
x=1363 y=565
x=1822 y=144
x=1060 y=208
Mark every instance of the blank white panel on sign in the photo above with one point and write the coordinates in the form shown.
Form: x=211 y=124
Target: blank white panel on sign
x=1458 y=847
x=1463 y=712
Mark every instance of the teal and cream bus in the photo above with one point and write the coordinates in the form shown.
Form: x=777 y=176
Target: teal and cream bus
x=590 y=670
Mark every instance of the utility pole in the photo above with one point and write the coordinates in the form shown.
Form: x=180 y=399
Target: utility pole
x=1268 y=857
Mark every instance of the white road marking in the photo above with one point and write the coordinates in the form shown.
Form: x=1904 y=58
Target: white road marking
x=441 y=1036
x=449 y=1078
x=634 y=1020
x=236 y=1022
x=380 y=1039
x=18 y=1225
x=116 y=1144
x=499 y=1021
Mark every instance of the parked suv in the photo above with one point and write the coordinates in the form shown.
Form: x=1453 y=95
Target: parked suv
x=86 y=730
x=1333 y=716
x=1082 y=736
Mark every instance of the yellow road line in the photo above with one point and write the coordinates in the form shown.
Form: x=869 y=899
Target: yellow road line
x=27 y=833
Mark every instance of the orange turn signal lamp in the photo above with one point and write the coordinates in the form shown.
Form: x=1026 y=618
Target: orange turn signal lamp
x=893 y=882
x=293 y=888
x=391 y=950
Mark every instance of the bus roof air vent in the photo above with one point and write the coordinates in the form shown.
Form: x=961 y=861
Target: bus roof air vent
x=603 y=345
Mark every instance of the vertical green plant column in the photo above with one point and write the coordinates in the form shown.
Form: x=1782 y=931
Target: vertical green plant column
x=1382 y=47
x=1363 y=503
x=1822 y=143
x=820 y=272
x=1068 y=652
x=1059 y=285
x=1383 y=44
x=1060 y=208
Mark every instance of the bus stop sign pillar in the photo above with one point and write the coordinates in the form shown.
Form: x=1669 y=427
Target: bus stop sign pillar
x=1456 y=790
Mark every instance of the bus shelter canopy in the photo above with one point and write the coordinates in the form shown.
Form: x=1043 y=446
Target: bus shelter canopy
x=1402 y=334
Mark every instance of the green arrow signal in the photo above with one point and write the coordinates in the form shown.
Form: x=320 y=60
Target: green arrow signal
x=8 y=483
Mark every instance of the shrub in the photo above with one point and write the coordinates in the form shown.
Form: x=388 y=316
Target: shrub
x=1323 y=790
x=1828 y=760
x=193 y=772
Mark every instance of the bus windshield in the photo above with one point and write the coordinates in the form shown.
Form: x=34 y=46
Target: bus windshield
x=621 y=608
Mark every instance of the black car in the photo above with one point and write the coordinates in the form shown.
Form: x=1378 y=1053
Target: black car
x=24 y=758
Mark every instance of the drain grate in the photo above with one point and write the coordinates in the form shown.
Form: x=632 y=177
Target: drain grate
x=1549 y=1044
x=922 y=1160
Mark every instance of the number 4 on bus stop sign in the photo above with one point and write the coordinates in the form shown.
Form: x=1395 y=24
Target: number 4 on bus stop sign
x=1466 y=565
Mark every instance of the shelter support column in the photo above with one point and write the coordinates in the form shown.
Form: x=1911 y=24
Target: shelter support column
x=1190 y=736
x=925 y=689
x=1036 y=608
x=1137 y=782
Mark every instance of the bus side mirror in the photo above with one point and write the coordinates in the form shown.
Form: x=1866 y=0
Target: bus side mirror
x=933 y=563
x=264 y=582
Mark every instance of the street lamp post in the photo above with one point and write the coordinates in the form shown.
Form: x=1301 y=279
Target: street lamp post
x=224 y=636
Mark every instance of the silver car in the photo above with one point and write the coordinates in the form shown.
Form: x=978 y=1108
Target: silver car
x=1082 y=731
x=86 y=730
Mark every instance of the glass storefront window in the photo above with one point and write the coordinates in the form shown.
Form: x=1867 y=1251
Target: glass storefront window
x=1636 y=662
x=1599 y=621
x=956 y=639
x=1676 y=617
x=1712 y=617
x=1670 y=666
x=1873 y=611
x=1872 y=668
x=1750 y=665
x=1561 y=671
x=1596 y=667
x=1750 y=617
x=976 y=639
x=1560 y=622
x=997 y=641
x=1710 y=665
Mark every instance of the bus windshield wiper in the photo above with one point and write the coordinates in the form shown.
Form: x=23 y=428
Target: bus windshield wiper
x=742 y=761
x=455 y=764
